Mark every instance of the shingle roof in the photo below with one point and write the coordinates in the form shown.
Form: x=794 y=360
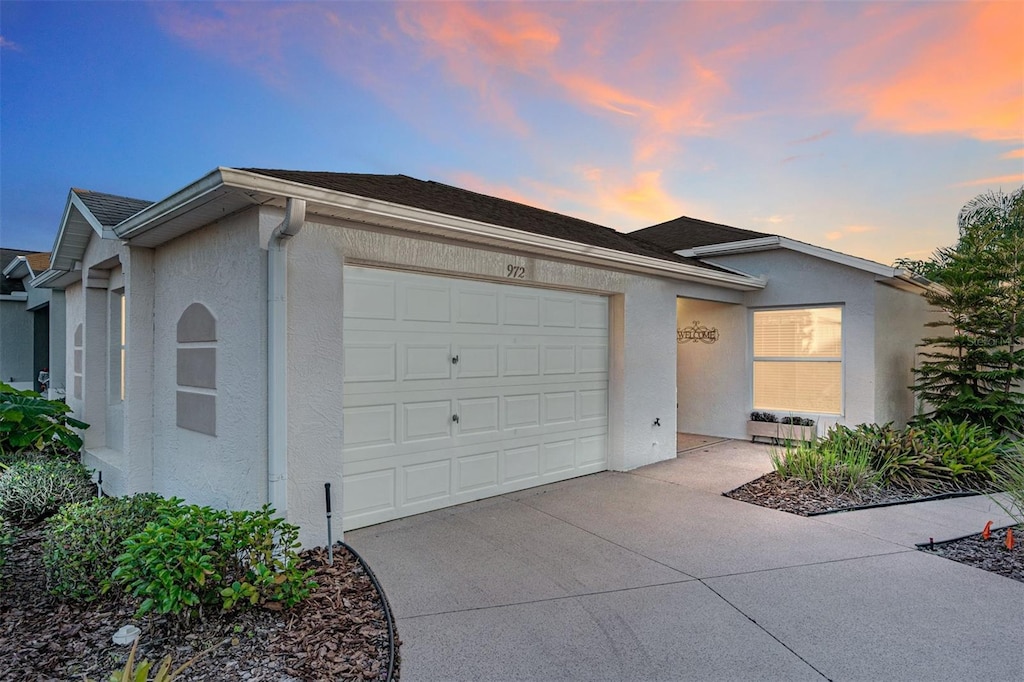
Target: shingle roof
x=38 y=261
x=442 y=198
x=110 y=209
x=687 y=233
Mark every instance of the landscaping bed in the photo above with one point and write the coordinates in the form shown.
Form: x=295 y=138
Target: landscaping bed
x=804 y=498
x=338 y=633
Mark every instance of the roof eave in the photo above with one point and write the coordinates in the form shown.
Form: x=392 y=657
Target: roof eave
x=262 y=189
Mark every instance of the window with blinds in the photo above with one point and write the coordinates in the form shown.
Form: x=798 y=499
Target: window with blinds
x=798 y=363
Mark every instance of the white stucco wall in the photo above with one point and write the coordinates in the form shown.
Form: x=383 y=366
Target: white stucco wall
x=899 y=325
x=223 y=267
x=15 y=342
x=797 y=280
x=714 y=379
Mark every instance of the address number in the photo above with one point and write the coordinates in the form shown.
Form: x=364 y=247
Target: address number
x=515 y=272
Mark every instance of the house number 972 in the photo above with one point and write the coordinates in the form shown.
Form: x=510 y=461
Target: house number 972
x=515 y=272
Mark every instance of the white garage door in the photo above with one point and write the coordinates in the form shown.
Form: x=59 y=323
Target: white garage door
x=458 y=390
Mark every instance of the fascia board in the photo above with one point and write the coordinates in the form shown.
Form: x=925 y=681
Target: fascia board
x=55 y=279
x=18 y=268
x=167 y=209
x=729 y=248
x=59 y=254
x=19 y=296
x=840 y=258
x=387 y=214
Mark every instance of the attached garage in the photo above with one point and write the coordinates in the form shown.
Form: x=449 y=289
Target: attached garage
x=456 y=390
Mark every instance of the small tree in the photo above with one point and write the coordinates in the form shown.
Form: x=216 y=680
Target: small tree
x=975 y=372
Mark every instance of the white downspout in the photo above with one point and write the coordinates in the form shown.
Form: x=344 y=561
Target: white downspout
x=277 y=354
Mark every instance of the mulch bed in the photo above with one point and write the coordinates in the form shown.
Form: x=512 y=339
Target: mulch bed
x=338 y=633
x=803 y=498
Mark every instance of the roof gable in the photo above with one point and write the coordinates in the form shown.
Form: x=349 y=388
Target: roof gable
x=687 y=233
x=87 y=213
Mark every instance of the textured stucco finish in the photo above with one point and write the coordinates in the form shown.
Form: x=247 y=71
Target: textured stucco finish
x=223 y=267
x=714 y=379
x=901 y=317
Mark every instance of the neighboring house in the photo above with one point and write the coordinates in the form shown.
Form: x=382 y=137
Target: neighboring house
x=31 y=328
x=260 y=333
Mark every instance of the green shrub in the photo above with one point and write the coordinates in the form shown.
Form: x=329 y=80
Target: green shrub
x=32 y=490
x=193 y=557
x=969 y=451
x=82 y=541
x=827 y=464
x=30 y=421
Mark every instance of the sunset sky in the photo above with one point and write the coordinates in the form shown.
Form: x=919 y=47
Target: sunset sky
x=858 y=126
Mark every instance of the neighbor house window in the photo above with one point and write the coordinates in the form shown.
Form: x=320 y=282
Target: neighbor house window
x=798 y=360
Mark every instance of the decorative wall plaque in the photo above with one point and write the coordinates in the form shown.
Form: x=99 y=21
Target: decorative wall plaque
x=697 y=333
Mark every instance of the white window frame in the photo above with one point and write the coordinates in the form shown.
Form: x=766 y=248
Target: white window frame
x=841 y=358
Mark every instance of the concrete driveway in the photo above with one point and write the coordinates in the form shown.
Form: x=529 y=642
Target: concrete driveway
x=653 y=575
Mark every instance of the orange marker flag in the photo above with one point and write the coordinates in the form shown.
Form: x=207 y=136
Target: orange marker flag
x=986 y=533
x=1009 y=538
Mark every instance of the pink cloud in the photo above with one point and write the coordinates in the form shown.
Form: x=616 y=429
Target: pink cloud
x=1011 y=179
x=1013 y=154
x=937 y=68
x=813 y=138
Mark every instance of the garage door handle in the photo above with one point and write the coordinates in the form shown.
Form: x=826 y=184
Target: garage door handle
x=455 y=418
x=455 y=359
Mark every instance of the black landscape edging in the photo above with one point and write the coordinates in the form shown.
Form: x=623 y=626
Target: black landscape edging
x=385 y=606
x=931 y=543
x=878 y=505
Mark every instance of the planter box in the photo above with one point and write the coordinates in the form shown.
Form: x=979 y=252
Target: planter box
x=794 y=432
x=777 y=432
x=763 y=430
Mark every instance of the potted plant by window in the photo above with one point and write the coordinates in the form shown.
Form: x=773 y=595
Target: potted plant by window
x=763 y=425
x=797 y=428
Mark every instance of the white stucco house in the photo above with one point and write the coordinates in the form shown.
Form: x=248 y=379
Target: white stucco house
x=31 y=325
x=262 y=332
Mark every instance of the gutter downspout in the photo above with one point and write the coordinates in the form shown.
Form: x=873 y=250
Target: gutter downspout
x=277 y=354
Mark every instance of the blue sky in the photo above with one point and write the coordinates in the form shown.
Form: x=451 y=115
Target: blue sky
x=858 y=126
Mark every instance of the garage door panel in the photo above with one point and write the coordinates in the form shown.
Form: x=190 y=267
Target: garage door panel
x=558 y=311
x=478 y=415
x=476 y=473
x=370 y=362
x=478 y=361
x=369 y=299
x=521 y=411
x=560 y=408
x=426 y=361
x=593 y=359
x=459 y=390
x=426 y=421
x=426 y=482
x=424 y=303
x=369 y=426
x=477 y=307
x=559 y=359
x=522 y=310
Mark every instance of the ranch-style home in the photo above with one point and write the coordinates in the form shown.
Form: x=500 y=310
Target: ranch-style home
x=262 y=332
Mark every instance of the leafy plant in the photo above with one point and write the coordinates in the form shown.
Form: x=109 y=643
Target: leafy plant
x=829 y=465
x=969 y=451
x=28 y=420
x=974 y=370
x=82 y=541
x=193 y=557
x=763 y=417
x=32 y=490
x=797 y=421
